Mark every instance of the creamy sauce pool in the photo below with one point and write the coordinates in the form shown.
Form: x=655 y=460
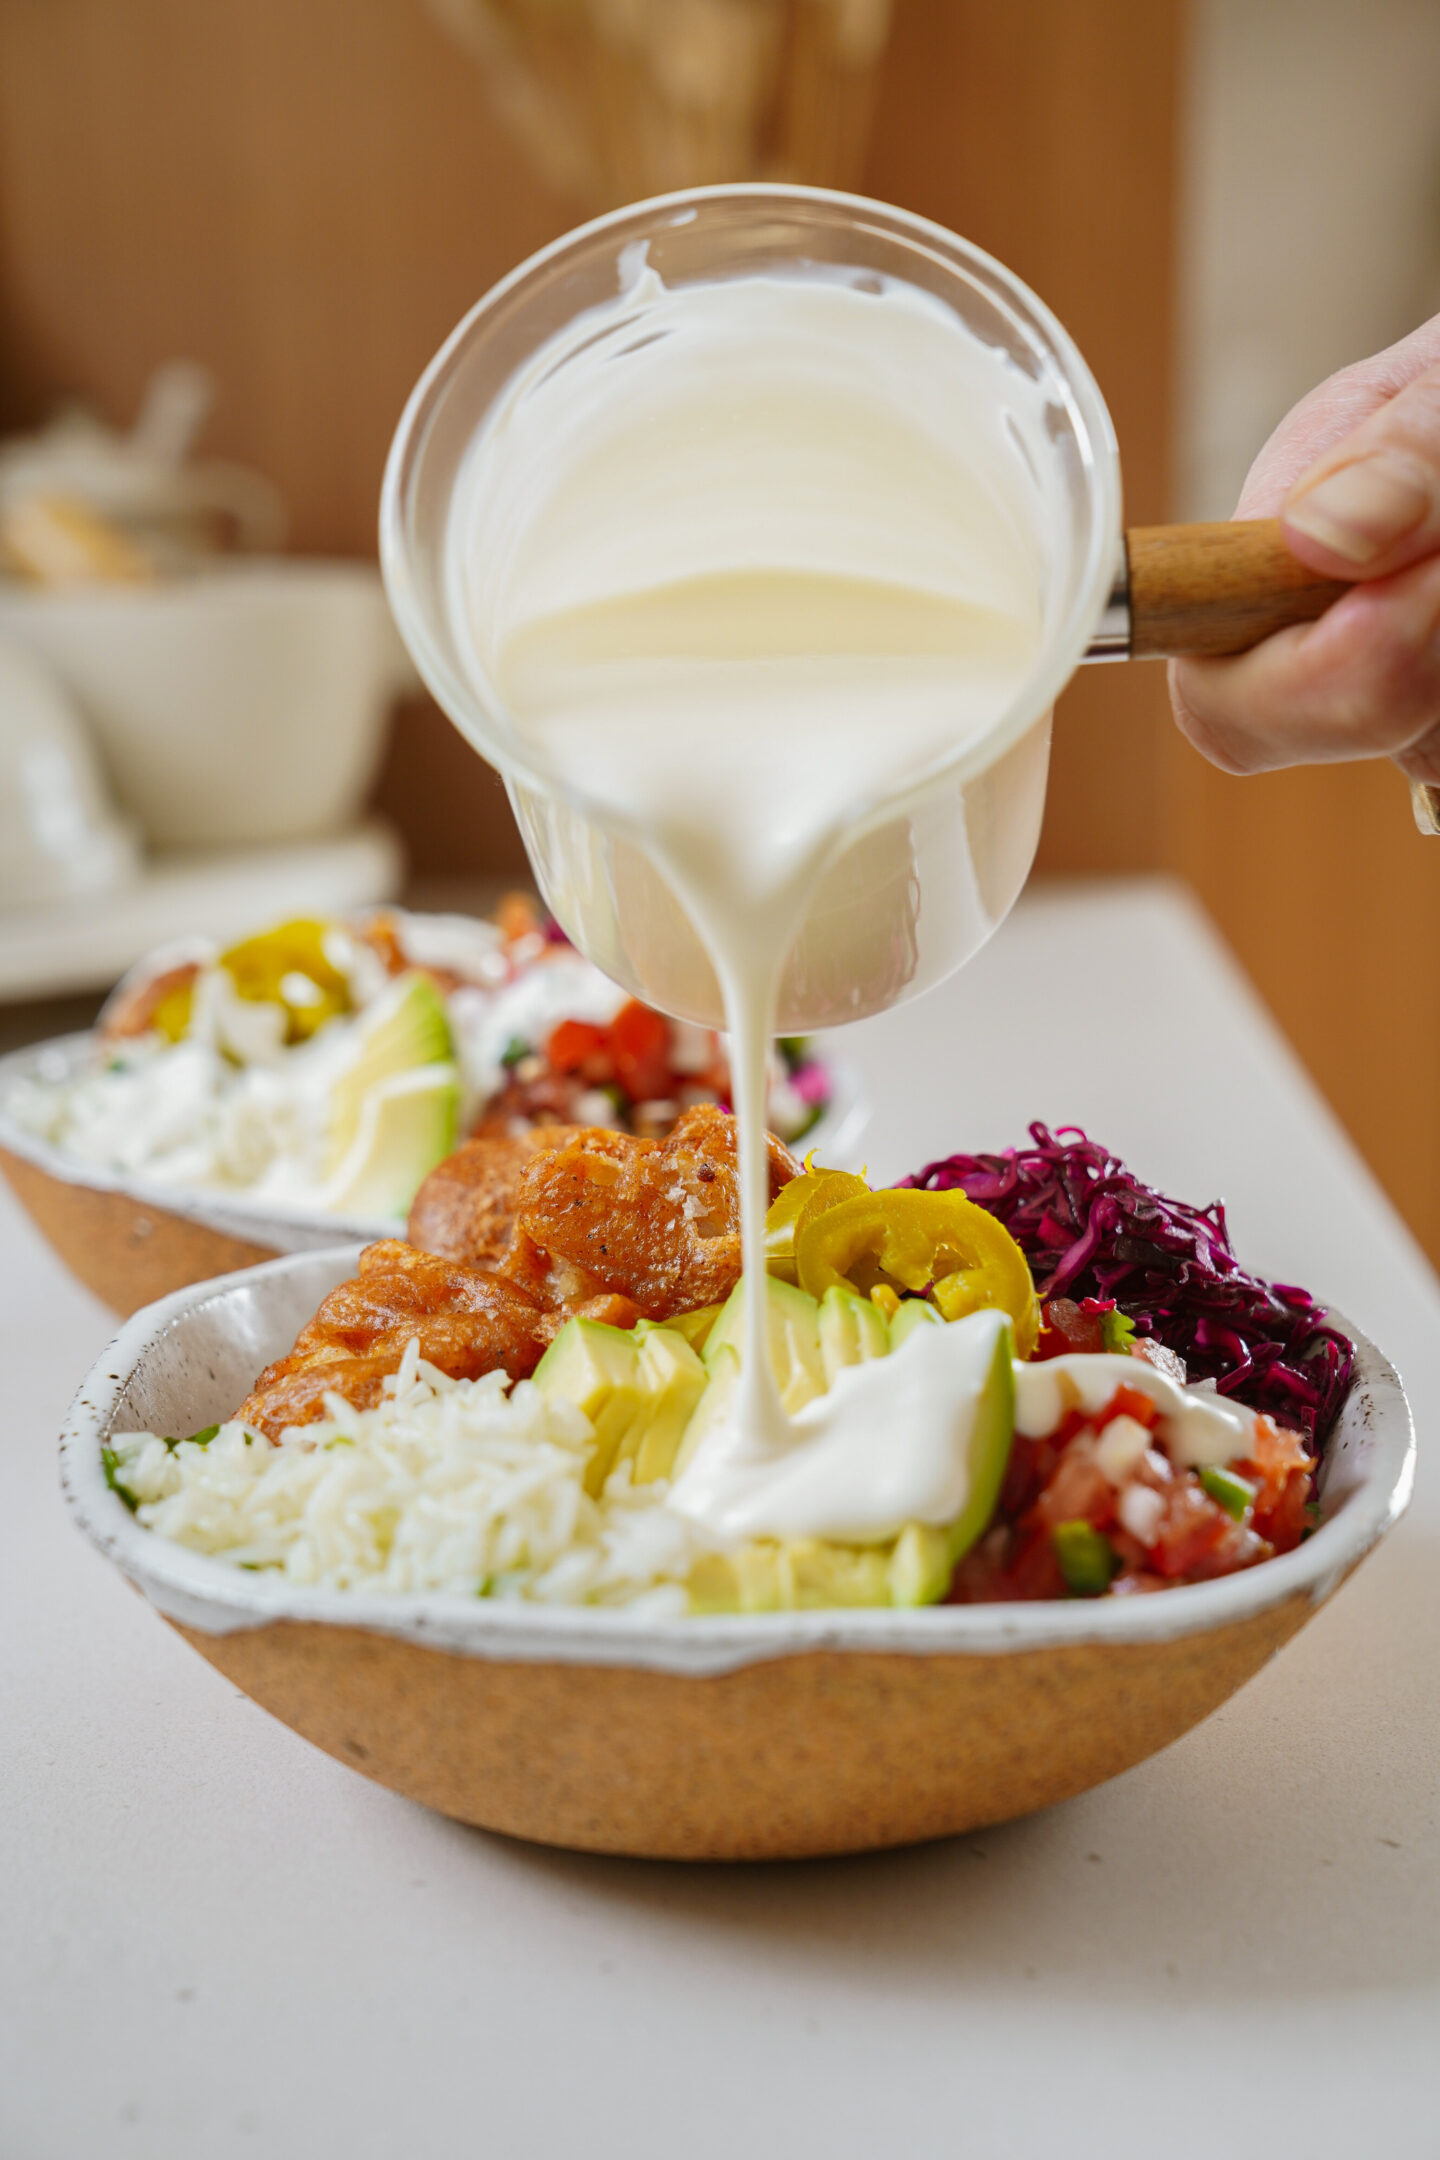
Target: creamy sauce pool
x=743 y=562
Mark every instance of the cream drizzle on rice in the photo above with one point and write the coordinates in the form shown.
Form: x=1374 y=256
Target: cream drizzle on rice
x=471 y=1486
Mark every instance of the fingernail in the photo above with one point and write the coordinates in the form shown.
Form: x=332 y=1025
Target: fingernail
x=1362 y=509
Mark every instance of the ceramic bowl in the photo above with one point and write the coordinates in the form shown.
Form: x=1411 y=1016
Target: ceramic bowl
x=131 y=1239
x=760 y=1737
x=243 y=705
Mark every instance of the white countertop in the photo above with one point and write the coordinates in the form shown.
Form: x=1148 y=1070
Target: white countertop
x=215 y=1941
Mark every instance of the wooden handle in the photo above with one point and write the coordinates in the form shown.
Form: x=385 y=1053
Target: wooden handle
x=1214 y=589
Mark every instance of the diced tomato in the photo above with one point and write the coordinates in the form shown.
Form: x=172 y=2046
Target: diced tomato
x=1031 y=1464
x=1129 y=1402
x=1078 y=1492
x=574 y=1044
x=1128 y=1550
x=1282 y=1523
x=639 y=1044
x=1191 y=1527
x=1034 y=1571
x=1057 y=1479
x=1281 y=1470
x=1002 y=1569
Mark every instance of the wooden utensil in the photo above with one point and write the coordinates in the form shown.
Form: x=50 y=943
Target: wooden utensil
x=1213 y=590
x=1207 y=590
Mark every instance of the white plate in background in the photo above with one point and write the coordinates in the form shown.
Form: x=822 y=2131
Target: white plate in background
x=88 y=943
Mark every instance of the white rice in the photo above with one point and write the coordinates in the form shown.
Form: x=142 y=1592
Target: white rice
x=461 y=1485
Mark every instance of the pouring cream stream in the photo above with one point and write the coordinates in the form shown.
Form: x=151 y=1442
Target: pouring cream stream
x=743 y=562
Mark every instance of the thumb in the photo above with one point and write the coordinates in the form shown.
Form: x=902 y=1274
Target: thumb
x=1371 y=505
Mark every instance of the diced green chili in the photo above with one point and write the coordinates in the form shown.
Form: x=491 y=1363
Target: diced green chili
x=1229 y=1490
x=1086 y=1560
x=514 y=1050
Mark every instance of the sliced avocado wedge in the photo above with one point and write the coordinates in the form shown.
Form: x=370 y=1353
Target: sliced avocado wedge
x=713 y=1407
x=992 y=1433
x=694 y=1326
x=672 y=1380
x=920 y=1565
x=598 y=1369
x=913 y=1313
x=790 y=1575
x=973 y=1359
x=852 y=1330
x=794 y=1340
x=406 y=1028
x=406 y=1125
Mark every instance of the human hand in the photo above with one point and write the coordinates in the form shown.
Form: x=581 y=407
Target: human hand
x=1354 y=473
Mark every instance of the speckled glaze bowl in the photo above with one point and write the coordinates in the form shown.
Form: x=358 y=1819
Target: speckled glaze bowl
x=765 y=1737
x=132 y=1240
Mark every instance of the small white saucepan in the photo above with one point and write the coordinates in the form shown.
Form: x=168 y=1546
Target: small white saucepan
x=928 y=872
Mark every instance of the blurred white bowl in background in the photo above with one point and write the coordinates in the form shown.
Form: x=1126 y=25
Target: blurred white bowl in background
x=60 y=837
x=242 y=705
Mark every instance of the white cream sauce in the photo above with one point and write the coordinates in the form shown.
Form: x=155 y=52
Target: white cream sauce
x=863 y=1460
x=744 y=561
x=1199 y=1429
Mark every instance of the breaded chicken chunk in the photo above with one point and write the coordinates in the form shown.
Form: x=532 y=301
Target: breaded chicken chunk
x=657 y=1221
x=466 y=1207
x=467 y=1321
x=601 y=1227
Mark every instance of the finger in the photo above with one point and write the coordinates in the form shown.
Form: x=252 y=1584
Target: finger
x=1321 y=423
x=1371 y=505
x=1363 y=681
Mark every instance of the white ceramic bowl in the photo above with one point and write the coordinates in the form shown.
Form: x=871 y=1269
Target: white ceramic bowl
x=132 y=1239
x=762 y=1736
x=243 y=705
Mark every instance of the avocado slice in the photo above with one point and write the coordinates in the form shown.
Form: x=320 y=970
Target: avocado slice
x=992 y=1433
x=673 y=1380
x=406 y=1027
x=746 y=1580
x=794 y=1320
x=912 y=1569
x=598 y=1369
x=639 y=1388
x=852 y=1330
x=694 y=1326
x=406 y=1125
x=816 y=1572
x=920 y=1565
x=713 y=1408
x=913 y=1313
x=791 y=1575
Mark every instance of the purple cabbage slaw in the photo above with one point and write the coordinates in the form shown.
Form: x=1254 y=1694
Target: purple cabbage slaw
x=1090 y=1229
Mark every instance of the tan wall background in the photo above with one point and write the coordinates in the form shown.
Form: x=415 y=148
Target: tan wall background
x=306 y=194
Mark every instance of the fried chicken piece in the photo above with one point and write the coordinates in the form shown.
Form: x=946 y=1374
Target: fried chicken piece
x=602 y=1227
x=465 y=1209
x=466 y=1322
x=656 y=1221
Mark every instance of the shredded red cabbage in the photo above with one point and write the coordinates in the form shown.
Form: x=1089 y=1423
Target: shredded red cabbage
x=1090 y=1229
